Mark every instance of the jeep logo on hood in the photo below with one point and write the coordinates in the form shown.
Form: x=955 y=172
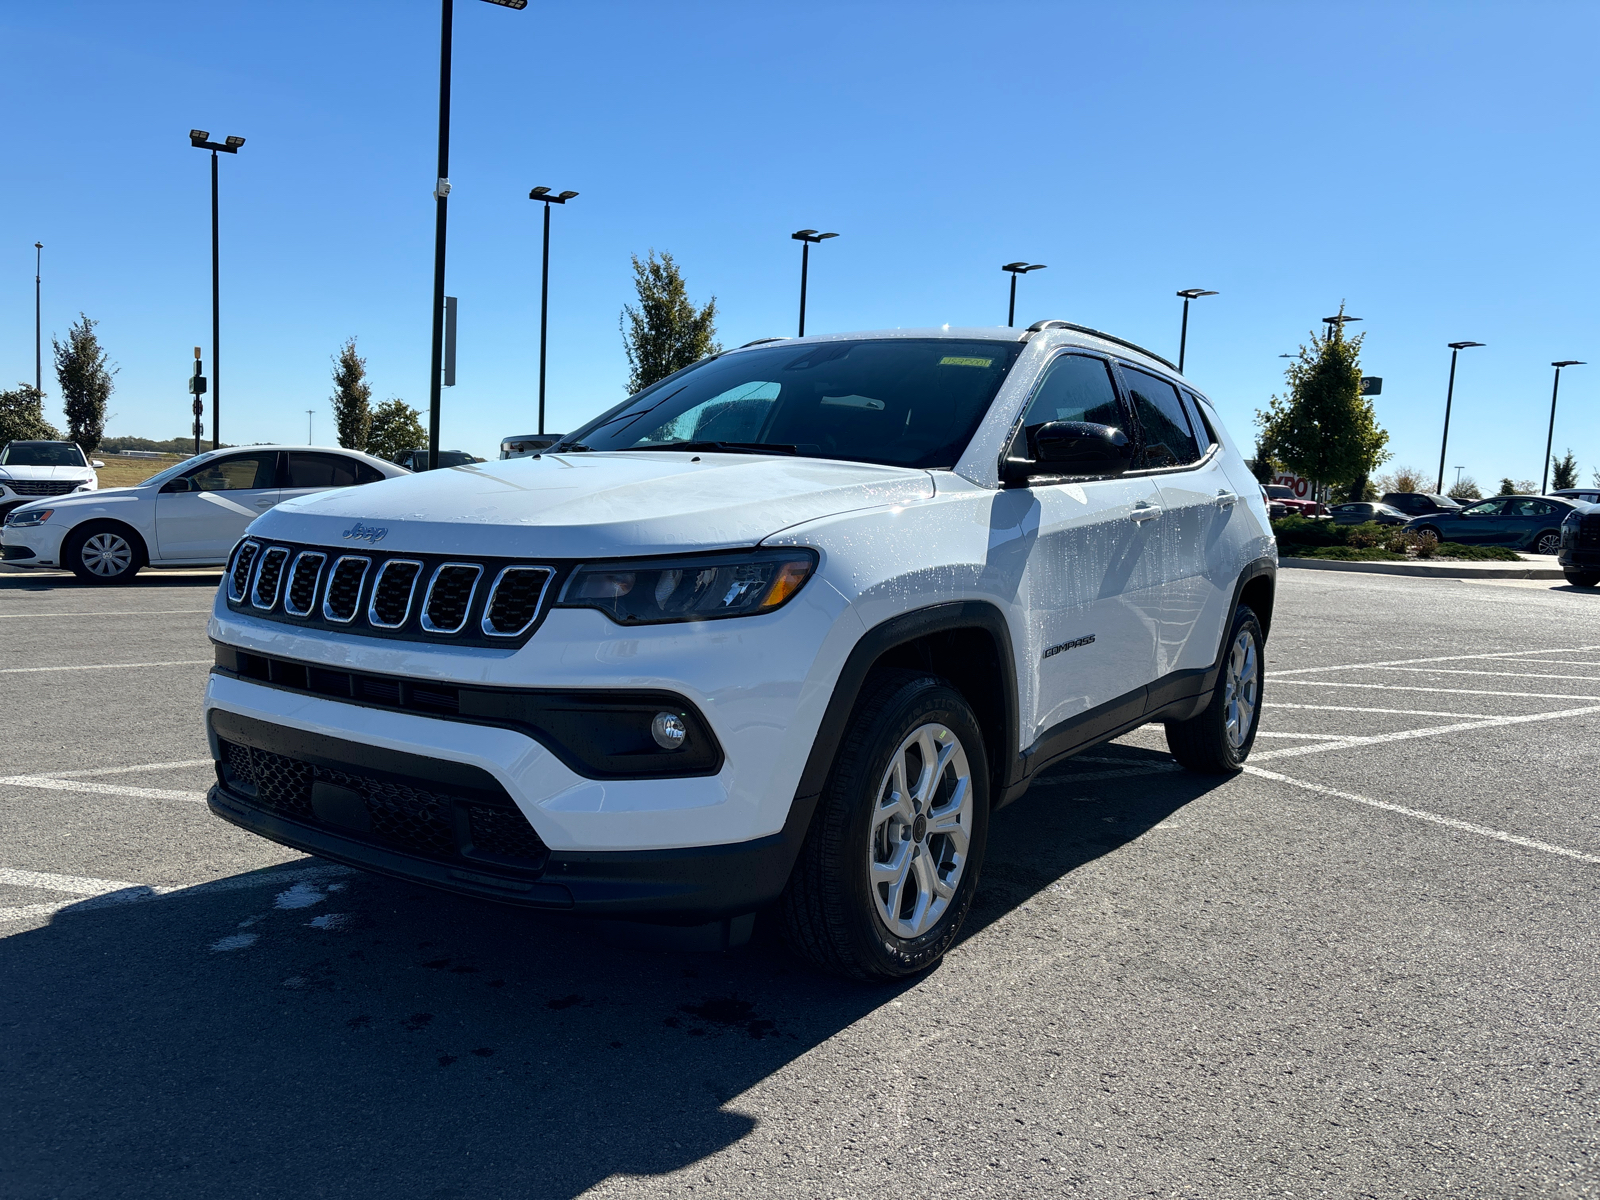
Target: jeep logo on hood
x=365 y=533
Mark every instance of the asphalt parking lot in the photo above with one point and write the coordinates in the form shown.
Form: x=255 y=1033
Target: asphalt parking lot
x=1367 y=967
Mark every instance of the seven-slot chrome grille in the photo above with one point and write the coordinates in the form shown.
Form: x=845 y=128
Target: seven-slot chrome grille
x=484 y=601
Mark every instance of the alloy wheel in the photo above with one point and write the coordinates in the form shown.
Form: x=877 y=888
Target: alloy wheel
x=1548 y=543
x=106 y=554
x=921 y=831
x=1241 y=688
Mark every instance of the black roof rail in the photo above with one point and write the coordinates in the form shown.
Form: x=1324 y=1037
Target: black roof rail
x=1038 y=326
x=764 y=341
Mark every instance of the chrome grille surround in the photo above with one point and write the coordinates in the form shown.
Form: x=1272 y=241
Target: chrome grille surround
x=452 y=584
x=359 y=564
x=381 y=596
x=244 y=557
x=268 y=572
x=510 y=575
x=312 y=560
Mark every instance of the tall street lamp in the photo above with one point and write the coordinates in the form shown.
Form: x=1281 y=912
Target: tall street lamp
x=1549 y=441
x=1017 y=268
x=807 y=237
x=441 y=193
x=1449 y=395
x=1338 y=322
x=38 y=352
x=229 y=145
x=543 y=193
x=1188 y=294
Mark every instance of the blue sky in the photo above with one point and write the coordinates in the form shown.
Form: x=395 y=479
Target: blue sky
x=1431 y=165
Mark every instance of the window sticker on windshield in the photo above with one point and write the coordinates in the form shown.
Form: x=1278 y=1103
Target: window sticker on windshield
x=956 y=361
x=854 y=402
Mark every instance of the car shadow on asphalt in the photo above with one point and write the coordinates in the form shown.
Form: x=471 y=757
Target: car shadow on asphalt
x=58 y=581
x=362 y=1036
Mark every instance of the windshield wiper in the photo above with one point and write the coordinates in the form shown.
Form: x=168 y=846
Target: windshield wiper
x=725 y=447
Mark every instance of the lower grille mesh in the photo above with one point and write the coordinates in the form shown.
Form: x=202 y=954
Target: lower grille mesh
x=415 y=819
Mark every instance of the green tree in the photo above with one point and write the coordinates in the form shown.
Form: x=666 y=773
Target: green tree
x=22 y=416
x=1325 y=429
x=84 y=373
x=1564 y=471
x=666 y=332
x=1465 y=488
x=352 y=398
x=396 y=426
x=1403 y=479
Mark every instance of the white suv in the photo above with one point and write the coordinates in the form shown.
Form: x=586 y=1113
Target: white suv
x=784 y=628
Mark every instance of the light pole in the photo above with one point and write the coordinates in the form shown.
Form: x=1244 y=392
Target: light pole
x=1017 y=268
x=38 y=354
x=1458 y=475
x=1338 y=322
x=310 y=412
x=806 y=237
x=1449 y=395
x=1549 y=440
x=441 y=216
x=1188 y=294
x=543 y=193
x=229 y=145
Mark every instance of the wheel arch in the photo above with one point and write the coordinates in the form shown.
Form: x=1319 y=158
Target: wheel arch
x=966 y=642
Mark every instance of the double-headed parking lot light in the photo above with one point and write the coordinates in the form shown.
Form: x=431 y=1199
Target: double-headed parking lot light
x=1449 y=395
x=1017 y=268
x=200 y=139
x=1549 y=441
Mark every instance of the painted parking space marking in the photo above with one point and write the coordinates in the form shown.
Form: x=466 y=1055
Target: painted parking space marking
x=160 y=766
x=1502 y=674
x=96 y=893
x=57 y=784
x=1407 y=662
x=1391 y=712
x=1402 y=687
x=106 y=612
x=177 y=662
x=1498 y=835
x=1378 y=739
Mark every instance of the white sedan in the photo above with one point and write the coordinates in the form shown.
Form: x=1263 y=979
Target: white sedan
x=188 y=515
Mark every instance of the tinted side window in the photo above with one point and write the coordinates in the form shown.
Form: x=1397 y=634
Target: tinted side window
x=365 y=473
x=1075 y=388
x=1200 y=422
x=320 y=471
x=238 y=472
x=1167 y=440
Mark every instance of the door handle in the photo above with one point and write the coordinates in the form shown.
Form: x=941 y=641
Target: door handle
x=1226 y=499
x=1143 y=511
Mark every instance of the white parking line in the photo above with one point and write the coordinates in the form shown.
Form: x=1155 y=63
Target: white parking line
x=1406 y=662
x=1401 y=687
x=96 y=893
x=1431 y=731
x=177 y=662
x=161 y=766
x=1499 y=835
x=106 y=612
x=1556 y=662
x=54 y=784
x=1502 y=674
x=1320 y=737
x=1392 y=712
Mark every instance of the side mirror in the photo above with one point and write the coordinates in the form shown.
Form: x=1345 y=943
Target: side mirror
x=96 y=463
x=175 y=485
x=1075 y=449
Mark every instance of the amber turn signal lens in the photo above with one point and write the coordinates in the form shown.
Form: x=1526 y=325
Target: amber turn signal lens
x=790 y=576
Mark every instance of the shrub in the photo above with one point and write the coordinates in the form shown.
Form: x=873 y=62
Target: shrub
x=1303 y=531
x=1478 y=553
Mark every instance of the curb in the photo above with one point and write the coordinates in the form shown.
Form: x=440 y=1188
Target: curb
x=1432 y=570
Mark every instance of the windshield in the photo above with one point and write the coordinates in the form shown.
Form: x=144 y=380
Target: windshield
x=1280 y=493
x=174 y=469
x=903 y=402
x=42 y=454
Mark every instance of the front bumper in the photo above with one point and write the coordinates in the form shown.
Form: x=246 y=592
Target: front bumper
x=450 y=826
x=32 y=545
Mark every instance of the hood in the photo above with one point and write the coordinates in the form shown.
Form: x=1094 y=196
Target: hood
x=46 y=472
x=591 y=505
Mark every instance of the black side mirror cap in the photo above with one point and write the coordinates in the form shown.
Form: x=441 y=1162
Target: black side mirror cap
x=1073 y=450
x=175 y=485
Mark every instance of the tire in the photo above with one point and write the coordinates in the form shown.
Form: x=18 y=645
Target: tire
x=1219 y=739
x=1548 y=542
x=847 y=909
x=1425 y=530
x=103 y=554
x=1582 y=578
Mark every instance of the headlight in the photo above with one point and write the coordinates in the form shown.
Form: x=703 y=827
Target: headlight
x=701 y=588
x=18 y=518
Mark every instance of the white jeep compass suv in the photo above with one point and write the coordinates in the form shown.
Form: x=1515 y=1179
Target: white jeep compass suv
x=782 y=629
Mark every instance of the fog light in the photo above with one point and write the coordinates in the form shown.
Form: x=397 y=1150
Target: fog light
x=668 y=731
